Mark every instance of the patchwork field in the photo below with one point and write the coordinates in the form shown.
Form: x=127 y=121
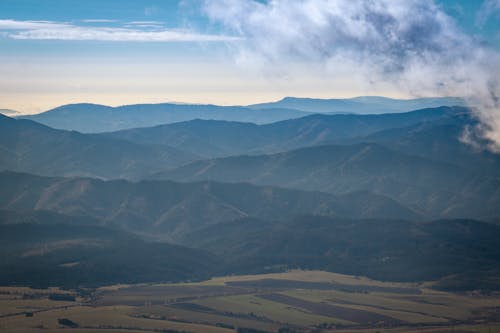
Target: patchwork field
x=297 y=301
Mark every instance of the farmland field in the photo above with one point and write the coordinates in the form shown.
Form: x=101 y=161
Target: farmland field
x=296 y=301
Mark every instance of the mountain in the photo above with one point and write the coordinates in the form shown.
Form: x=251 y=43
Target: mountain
x=66 y=255
x=8 y=112
x=393 y=196
x=201 y=137
x=31 y=147
x=388 y=250
x=440 y=140
x=433 y=187
x=221 y=138
x=92 y=118
x=360 y=105
x=44 y=217
x=167 y=209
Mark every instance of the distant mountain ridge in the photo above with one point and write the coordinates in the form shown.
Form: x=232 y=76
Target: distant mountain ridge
x=360 y=105
x=94 y=118
x=210 y=138
x=9 y=112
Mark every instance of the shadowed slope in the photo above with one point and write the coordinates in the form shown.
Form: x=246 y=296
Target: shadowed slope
x=30 y=147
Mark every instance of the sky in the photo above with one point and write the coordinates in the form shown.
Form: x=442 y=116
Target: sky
x=238 y=52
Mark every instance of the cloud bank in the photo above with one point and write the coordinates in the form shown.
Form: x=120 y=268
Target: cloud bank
x=132 y=32
x=412 y=44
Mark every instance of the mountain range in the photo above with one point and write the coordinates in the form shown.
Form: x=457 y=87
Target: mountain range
x=31 y=147
x=93 y=118
x=431 y=187
x=166 y=210
x=360 y=105
x=298 y=183
x=221 y=138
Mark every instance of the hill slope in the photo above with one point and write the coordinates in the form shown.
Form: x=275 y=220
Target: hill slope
x=382 y=249
x=436 y=188
x=441 y=141
x=216 y=138
x=66 y=255
x=30 y=147
x=169 y=209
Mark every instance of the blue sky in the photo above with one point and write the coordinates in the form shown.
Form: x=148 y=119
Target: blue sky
x=467 y=14
x=116 y=52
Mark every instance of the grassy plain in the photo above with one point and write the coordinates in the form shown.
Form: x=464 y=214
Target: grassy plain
x=301 y=301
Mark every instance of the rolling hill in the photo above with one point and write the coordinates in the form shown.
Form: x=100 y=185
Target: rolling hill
x=45 y=253
x=389 y=250
x=164 y=209
x=66 y=255
x=441 y=141
x=27 y=146
x=216 y=138
x=435 y=188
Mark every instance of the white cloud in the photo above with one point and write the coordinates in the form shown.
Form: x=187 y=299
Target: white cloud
x=27 y=25
x=411 y=44
x=395 y=32
x=144 y=24
x=45 y=30
x=99 y=21
x=117 y=35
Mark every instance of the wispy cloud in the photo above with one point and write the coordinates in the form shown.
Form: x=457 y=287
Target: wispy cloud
x=98 y=21
x=411 y=44
x=30 y=25
x=145 y=22
x=488 y=9
x=47 y=30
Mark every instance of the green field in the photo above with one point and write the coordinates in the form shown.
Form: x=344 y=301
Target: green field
x=300 y=301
